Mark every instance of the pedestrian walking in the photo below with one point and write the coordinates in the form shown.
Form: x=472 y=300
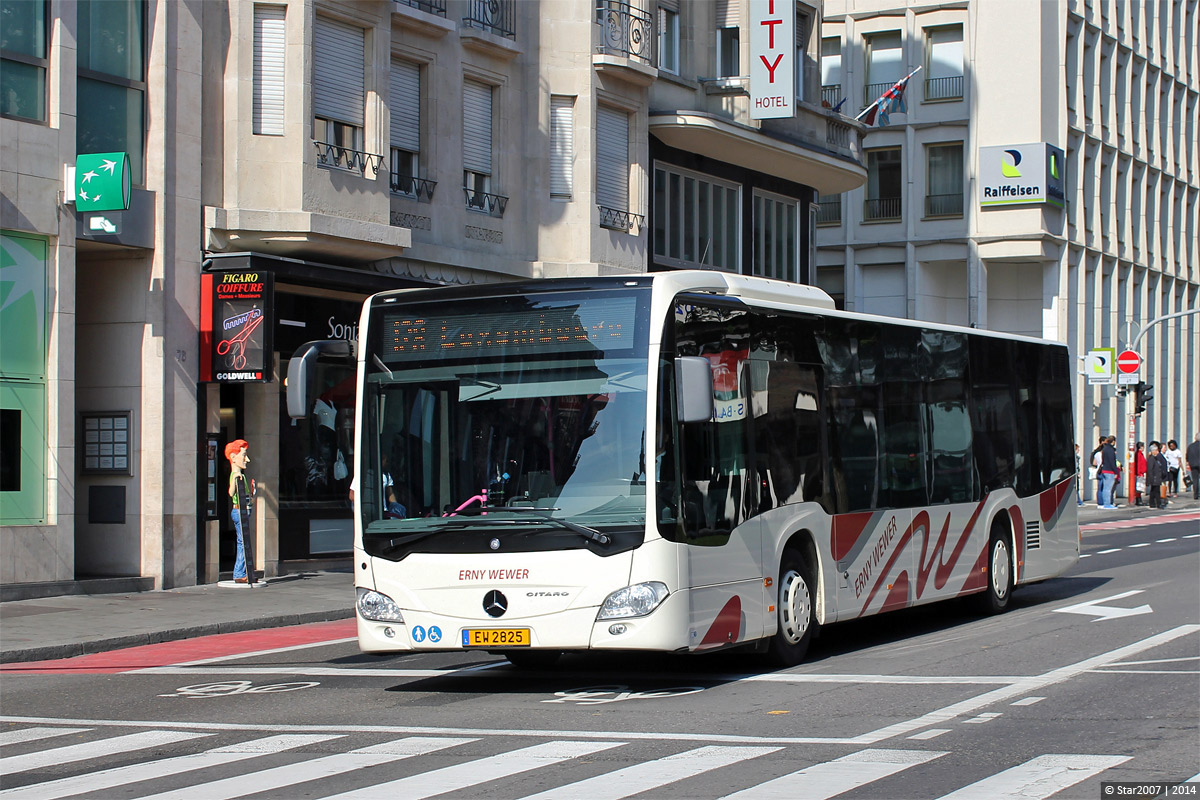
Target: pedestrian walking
x=1193 y=462
x=241 y=490
x=1095 y=460
x=1156 y=473
x=1174 y=459
x=1078 y=477
x=1110 y=471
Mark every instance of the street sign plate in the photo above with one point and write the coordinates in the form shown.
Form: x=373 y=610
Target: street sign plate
x=1129 y=361
x=1099 y=365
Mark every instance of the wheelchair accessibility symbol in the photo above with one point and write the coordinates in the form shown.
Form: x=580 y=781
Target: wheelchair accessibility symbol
x=435 y=633
x=418 y=633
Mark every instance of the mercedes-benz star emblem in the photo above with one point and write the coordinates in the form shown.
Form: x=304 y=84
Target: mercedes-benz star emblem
x=494 y=544
x=495 y=603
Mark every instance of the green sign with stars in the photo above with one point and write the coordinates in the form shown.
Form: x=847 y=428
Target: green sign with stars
x=102 y=182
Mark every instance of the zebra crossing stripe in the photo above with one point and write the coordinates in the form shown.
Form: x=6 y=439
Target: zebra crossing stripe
x=472 y=773
x=36 y=734
x=1039 y=777
x=831 y=778
x=132 y=773
x=312 y=770
x=86 y=750
x=653 y=774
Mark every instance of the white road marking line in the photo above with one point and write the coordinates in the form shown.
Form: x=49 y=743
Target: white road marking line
x=86 y=750
x=1157 y=661
x=1037 y=778
x=930 y=734
x=473 y=773
x=1164 y=541
x=982 y=718
x=653 y=774
x=132 y=773
x=345 y=672
x=1140 y=544
x=1085 y=555
x=276 y=778
x=830 y=778
x=1191 y=536
x=1019 y=687
x=1110 y=550
x=1028 y=701
x=36 y=734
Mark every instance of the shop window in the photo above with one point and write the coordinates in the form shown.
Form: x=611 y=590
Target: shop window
x=112 y=78
x=23 y=59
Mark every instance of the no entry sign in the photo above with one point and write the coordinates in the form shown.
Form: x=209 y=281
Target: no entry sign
x=1129 y=362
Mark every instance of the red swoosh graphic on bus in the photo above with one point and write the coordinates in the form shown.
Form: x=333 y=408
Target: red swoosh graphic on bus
x=901 y=544
x=726 y=626
x=847 y=528
x=944 y=568
x=1052 y=501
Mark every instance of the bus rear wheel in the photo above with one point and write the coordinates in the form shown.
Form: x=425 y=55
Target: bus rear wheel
x=995 y=598
x=796 y=612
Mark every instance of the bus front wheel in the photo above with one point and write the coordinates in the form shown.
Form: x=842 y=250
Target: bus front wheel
x=1000 y=574
x=796 y=611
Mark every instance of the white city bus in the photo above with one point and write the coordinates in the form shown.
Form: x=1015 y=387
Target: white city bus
x=688 y=461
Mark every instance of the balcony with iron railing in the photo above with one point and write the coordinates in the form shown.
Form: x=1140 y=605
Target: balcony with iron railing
x=491 y=204
x=873 y=91
x=881 y=209
x=409 y=186
x=625 y=30
x=831 y=96
x=830 y=212
x=493 y=16
x=619 y=220
x=950 y=88
x=429 y=6
x=944 y=205
x=332 y=156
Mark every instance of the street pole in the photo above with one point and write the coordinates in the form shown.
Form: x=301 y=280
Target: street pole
x=1131 y=463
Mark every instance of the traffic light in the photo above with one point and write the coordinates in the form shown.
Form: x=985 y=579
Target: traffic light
x=1143 y=393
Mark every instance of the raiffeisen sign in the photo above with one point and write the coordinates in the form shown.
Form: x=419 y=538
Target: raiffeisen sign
x=772 y=59
x=1022 y=174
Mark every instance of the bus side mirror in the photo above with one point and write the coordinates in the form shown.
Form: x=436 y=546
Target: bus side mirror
x=301 y=371
x=693 y=389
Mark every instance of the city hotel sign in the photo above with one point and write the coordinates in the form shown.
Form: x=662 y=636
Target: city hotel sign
x=772 y=59
x=1023 y=174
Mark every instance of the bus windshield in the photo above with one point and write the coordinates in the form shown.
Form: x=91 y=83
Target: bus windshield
x=520 y=417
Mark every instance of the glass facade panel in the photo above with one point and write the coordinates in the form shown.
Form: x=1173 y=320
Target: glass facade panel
x=112 y=120
x=111 y=37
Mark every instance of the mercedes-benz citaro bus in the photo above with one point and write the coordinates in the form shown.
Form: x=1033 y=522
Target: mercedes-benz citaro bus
x=686 y=462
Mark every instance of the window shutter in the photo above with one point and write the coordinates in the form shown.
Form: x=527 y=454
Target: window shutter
x=562 y=145
x=338 y=65
x=269 y=38
x=612 y=158
x=405 y=90
x=477 y=127
x=728 y=14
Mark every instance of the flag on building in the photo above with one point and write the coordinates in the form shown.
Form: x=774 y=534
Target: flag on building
x=890 y=101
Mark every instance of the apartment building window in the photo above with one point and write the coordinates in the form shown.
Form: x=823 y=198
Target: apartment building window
x=944 y=180
x=477 y=148
x=885 y=63
x=668 y=36
x=269 y=51
x=339 y=93
x=697 y=220
x=110 y=82
x=803 y=25
x=776 y=237
x=883 y=185
x=728 y=39
x=23 y=61
x=612 y=167
x=404 y=93
x=831 y=72
x=562 y=146
x=944 y=63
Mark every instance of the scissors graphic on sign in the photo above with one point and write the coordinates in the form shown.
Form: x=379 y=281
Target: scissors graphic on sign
x=237 y=345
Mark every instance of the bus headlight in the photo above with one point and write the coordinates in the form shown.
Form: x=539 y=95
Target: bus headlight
x=633 y=601
x=378 y=607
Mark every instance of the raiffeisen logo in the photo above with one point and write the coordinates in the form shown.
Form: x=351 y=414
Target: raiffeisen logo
x=1008 y=166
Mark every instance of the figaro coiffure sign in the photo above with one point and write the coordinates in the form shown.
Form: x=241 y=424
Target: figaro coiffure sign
x=236 y=323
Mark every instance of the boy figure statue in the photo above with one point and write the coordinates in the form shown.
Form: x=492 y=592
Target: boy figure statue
x=241 y=491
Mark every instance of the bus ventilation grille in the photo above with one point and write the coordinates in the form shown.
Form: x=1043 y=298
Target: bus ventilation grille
x=1033 y=535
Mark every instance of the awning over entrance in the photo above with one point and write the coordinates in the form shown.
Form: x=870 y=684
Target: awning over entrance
x=734 y=143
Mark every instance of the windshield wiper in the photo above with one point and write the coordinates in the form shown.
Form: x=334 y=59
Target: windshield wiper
x=591 y=534
x=399 y=542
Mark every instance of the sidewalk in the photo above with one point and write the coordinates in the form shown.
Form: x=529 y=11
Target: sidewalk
x=60 y=627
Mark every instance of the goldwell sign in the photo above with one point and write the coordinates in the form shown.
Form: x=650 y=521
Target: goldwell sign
x=772 y=59
x=1020 y=174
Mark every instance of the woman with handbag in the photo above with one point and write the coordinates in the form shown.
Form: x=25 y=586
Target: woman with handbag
x=1139 y=473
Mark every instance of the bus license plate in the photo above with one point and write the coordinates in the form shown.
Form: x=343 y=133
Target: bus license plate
x=496 y=637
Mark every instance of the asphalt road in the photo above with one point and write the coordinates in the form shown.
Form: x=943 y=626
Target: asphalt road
x=1089 y=678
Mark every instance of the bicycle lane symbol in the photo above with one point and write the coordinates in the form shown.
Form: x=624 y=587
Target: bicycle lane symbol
x=616 y=693
x=230 y=688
